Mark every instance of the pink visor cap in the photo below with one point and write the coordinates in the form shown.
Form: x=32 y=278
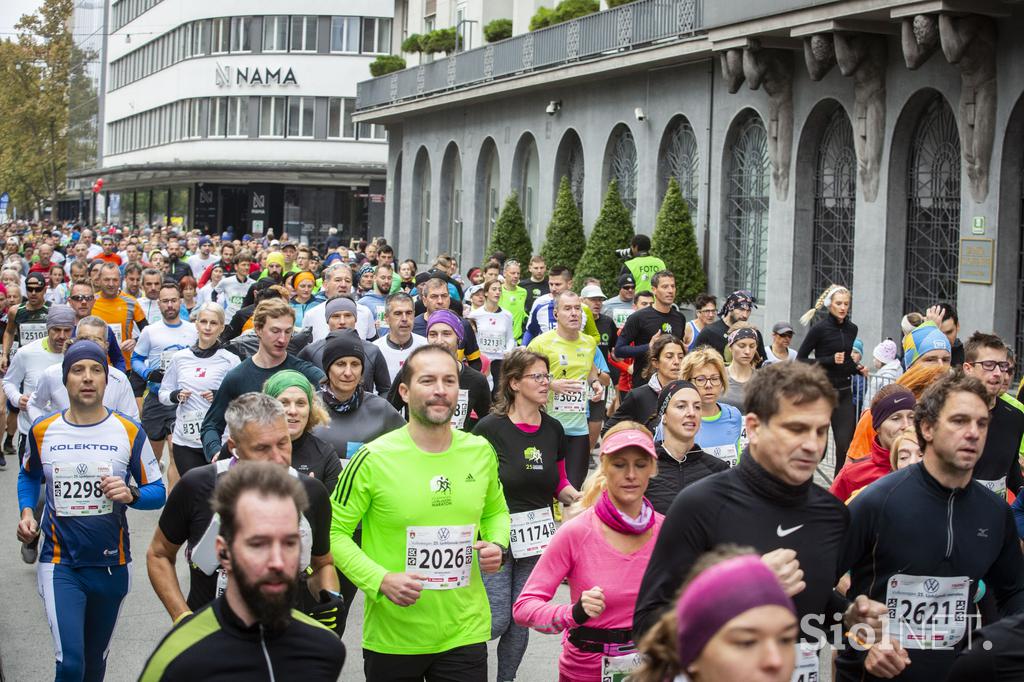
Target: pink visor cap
x=628 y=438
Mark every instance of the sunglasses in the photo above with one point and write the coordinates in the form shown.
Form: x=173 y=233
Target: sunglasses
x=35 y=290
x=80 y=298
x=629 y=287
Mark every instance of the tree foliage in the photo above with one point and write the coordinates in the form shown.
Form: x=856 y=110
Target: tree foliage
x=385 y=64
x=564 y=11
x=510 y=235
x=499 y=29
x=565 y=238
x=613 y=230
x=413 y=43
x=439 y=40
x=36 y=69
x=618 y=3
x=675 y=243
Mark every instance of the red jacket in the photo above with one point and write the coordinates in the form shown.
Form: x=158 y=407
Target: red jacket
x=862 y=473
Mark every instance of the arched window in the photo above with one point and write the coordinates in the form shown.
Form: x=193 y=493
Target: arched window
x=933 y=209
x=835 y=198
x=679 y=160
x=526 y=172
x=421 y=202
x=623 y=166
x=747 y=200
x=569 y=164
x=492 y=192
x=451 y=204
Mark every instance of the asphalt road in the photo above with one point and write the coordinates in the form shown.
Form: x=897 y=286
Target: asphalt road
x=26 y=648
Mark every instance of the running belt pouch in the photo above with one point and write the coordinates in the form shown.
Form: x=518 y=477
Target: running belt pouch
x=593 y=640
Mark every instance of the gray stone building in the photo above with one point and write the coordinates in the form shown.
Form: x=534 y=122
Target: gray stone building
x=868 y=142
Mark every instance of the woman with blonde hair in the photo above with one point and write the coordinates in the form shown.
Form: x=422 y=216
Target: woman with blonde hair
x=905 y=450
x=831 y=342
x=603 y=552
x=732 y=621
x=721 y=423
x=664 y=356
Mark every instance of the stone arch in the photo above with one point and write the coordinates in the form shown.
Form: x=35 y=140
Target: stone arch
x=488 y=196
x=679 y=158
x=1011 y=231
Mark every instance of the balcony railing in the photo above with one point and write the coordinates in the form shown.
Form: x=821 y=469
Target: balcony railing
x=623 y=28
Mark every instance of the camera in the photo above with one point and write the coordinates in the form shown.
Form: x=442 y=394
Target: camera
x=624 y=253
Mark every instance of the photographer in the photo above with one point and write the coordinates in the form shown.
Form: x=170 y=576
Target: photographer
x=641 y=264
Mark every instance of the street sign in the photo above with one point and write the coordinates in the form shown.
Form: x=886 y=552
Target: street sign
x=5 y=200
x=978 y=225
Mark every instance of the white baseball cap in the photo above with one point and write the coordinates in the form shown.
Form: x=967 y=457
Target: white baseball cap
x=592 y=291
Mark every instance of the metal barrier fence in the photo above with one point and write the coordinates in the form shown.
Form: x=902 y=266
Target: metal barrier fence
x=623 y=28
x=825 y=473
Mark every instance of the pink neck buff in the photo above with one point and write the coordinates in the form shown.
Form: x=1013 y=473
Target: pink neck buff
x=621 y=522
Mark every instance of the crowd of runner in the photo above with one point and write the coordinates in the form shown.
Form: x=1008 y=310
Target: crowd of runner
x=313 y=422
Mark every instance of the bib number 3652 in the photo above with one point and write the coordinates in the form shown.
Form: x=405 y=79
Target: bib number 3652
x=443 y=555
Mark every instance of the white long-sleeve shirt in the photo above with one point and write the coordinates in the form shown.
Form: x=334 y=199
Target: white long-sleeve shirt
x=52 y=396
x=186 y=372
x=494 y=332
x=23 y=375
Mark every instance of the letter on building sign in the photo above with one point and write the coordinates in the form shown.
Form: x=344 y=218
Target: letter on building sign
x=256 y=79
x=223 y=76
x=273 y=76
x=241 y=75
x=289 y=78
x=259 y=200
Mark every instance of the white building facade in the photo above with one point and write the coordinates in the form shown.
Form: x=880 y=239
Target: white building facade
x=238 y=116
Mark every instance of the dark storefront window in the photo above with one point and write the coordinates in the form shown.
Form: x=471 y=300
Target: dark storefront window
x=309 y=212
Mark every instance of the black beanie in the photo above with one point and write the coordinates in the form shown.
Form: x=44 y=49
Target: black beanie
x=347 y=345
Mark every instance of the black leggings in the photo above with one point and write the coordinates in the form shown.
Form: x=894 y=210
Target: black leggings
x=844 y=420
x=186 y=458
x=462 y=664
x=496 y=377
x=577 y=460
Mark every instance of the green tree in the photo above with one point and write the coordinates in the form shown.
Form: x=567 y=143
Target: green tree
x=385 y=64
x=413 y=43
x=510 y=235
x=616 y=3
x=499 y=29
x=675 y=243
x=566 y=10
x=613 y=230
x=37 y=70
x=439 y=40
x=565 y=238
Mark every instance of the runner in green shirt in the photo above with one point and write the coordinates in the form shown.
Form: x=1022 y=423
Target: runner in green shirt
x=513 y=298
x=424 y=494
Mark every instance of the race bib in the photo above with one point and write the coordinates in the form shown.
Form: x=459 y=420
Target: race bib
x=619 y=668
x=442 y=554
x=222 y=582
x=492 y=344
x=77 y=489
x=572 y=403
x=619 y=316
x=461 y=409
x=726 y=453
x=165 y=358
x=997 y=486
x=531 y=532
x=191 y=422
x=118 y=332
x=807 y=665
x=31 y=331
x=236 y=301
x=927 y=612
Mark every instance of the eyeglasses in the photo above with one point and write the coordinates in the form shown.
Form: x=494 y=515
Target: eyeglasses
x=539 y=377
x=991 y=365
x=712 y=380
x=80 y=298
x=708 y=311
x=628 y=287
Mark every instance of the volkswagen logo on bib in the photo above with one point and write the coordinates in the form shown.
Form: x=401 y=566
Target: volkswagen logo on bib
x=931 y=585
x=443 y=534
x=82 y=469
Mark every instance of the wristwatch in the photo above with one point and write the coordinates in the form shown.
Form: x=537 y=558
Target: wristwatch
x=135 y=494
x=505 y=554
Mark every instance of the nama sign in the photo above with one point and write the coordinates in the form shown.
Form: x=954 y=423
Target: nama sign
x=245 y=75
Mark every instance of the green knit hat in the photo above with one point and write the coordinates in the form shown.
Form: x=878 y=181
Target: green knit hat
x=285 y=379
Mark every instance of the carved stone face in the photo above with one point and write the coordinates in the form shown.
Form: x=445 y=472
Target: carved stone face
x=924 y=29
x=821 y=47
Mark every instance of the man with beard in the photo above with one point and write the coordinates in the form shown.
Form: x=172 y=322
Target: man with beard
x=423 y=492
x=737 y=308
x=251 y=631
x=257 y=431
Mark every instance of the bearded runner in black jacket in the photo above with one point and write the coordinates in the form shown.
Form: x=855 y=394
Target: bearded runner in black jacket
x=769 y=502
x=923 y=537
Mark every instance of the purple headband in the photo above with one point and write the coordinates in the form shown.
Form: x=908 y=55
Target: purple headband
x=890 y=404
x=445 y=316
x=718 y=595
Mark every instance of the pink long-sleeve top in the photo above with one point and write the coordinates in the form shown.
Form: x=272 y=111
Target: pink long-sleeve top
x=579 y=552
